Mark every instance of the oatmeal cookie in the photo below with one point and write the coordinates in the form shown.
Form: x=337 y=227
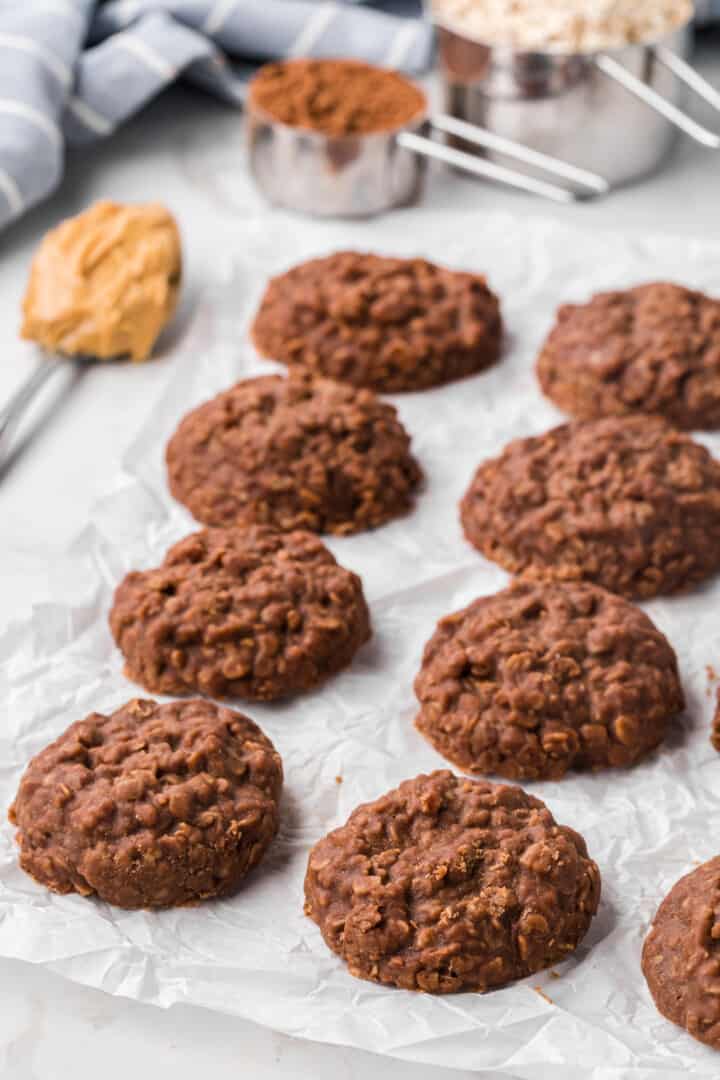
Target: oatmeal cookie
x=539 y=679
x=388 y=324
x=253 y=614
x=449 y=884
x=295 y=453
x=681 y=955
x=626 y=502
x=152 y=806
x=652 y=349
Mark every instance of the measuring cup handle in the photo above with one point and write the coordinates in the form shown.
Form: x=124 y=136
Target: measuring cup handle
x=687 y=74
x=420 y=144
x=490 y=140
x=617 y=71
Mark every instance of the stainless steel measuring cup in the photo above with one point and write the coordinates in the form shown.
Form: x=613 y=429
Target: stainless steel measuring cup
x=361 y=175
x=615 y=112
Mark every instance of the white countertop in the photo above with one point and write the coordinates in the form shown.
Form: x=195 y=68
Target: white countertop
x=186 y=150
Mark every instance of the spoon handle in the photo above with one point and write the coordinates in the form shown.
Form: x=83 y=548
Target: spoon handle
x=10 y=414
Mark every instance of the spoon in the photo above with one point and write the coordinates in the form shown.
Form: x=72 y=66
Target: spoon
x=13 y=411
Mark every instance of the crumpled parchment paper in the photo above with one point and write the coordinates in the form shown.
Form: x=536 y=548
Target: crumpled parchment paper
x=256 y=955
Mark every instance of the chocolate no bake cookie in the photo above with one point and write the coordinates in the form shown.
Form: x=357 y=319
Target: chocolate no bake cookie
x=152 y=806
x=449 y=884
x=254 y=614
x=539 y=679
x=626 y=502
x=652 y=349
x=295 y=453
x=681 y=955
x=388 y=324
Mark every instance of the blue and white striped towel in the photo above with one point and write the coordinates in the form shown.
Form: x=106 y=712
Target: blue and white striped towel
x=707 y=10
x=73 y=70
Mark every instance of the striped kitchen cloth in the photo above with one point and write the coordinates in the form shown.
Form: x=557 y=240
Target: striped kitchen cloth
x=707 y=11
x=73 y=70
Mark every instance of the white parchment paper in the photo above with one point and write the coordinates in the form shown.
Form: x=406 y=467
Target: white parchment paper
x=256 y=955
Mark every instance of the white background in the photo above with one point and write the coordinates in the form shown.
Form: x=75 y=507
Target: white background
x=187 y=151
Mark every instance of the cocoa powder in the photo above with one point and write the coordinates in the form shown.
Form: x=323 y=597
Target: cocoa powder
x=336 y=97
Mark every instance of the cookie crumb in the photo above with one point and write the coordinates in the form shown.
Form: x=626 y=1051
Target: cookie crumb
x=715 y=733
x=338 y=779
x=539 y=990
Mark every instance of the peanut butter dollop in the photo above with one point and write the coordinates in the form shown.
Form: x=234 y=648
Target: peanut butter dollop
x=104 y=283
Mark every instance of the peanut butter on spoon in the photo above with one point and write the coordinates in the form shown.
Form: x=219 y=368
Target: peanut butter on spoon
x=104 y=283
